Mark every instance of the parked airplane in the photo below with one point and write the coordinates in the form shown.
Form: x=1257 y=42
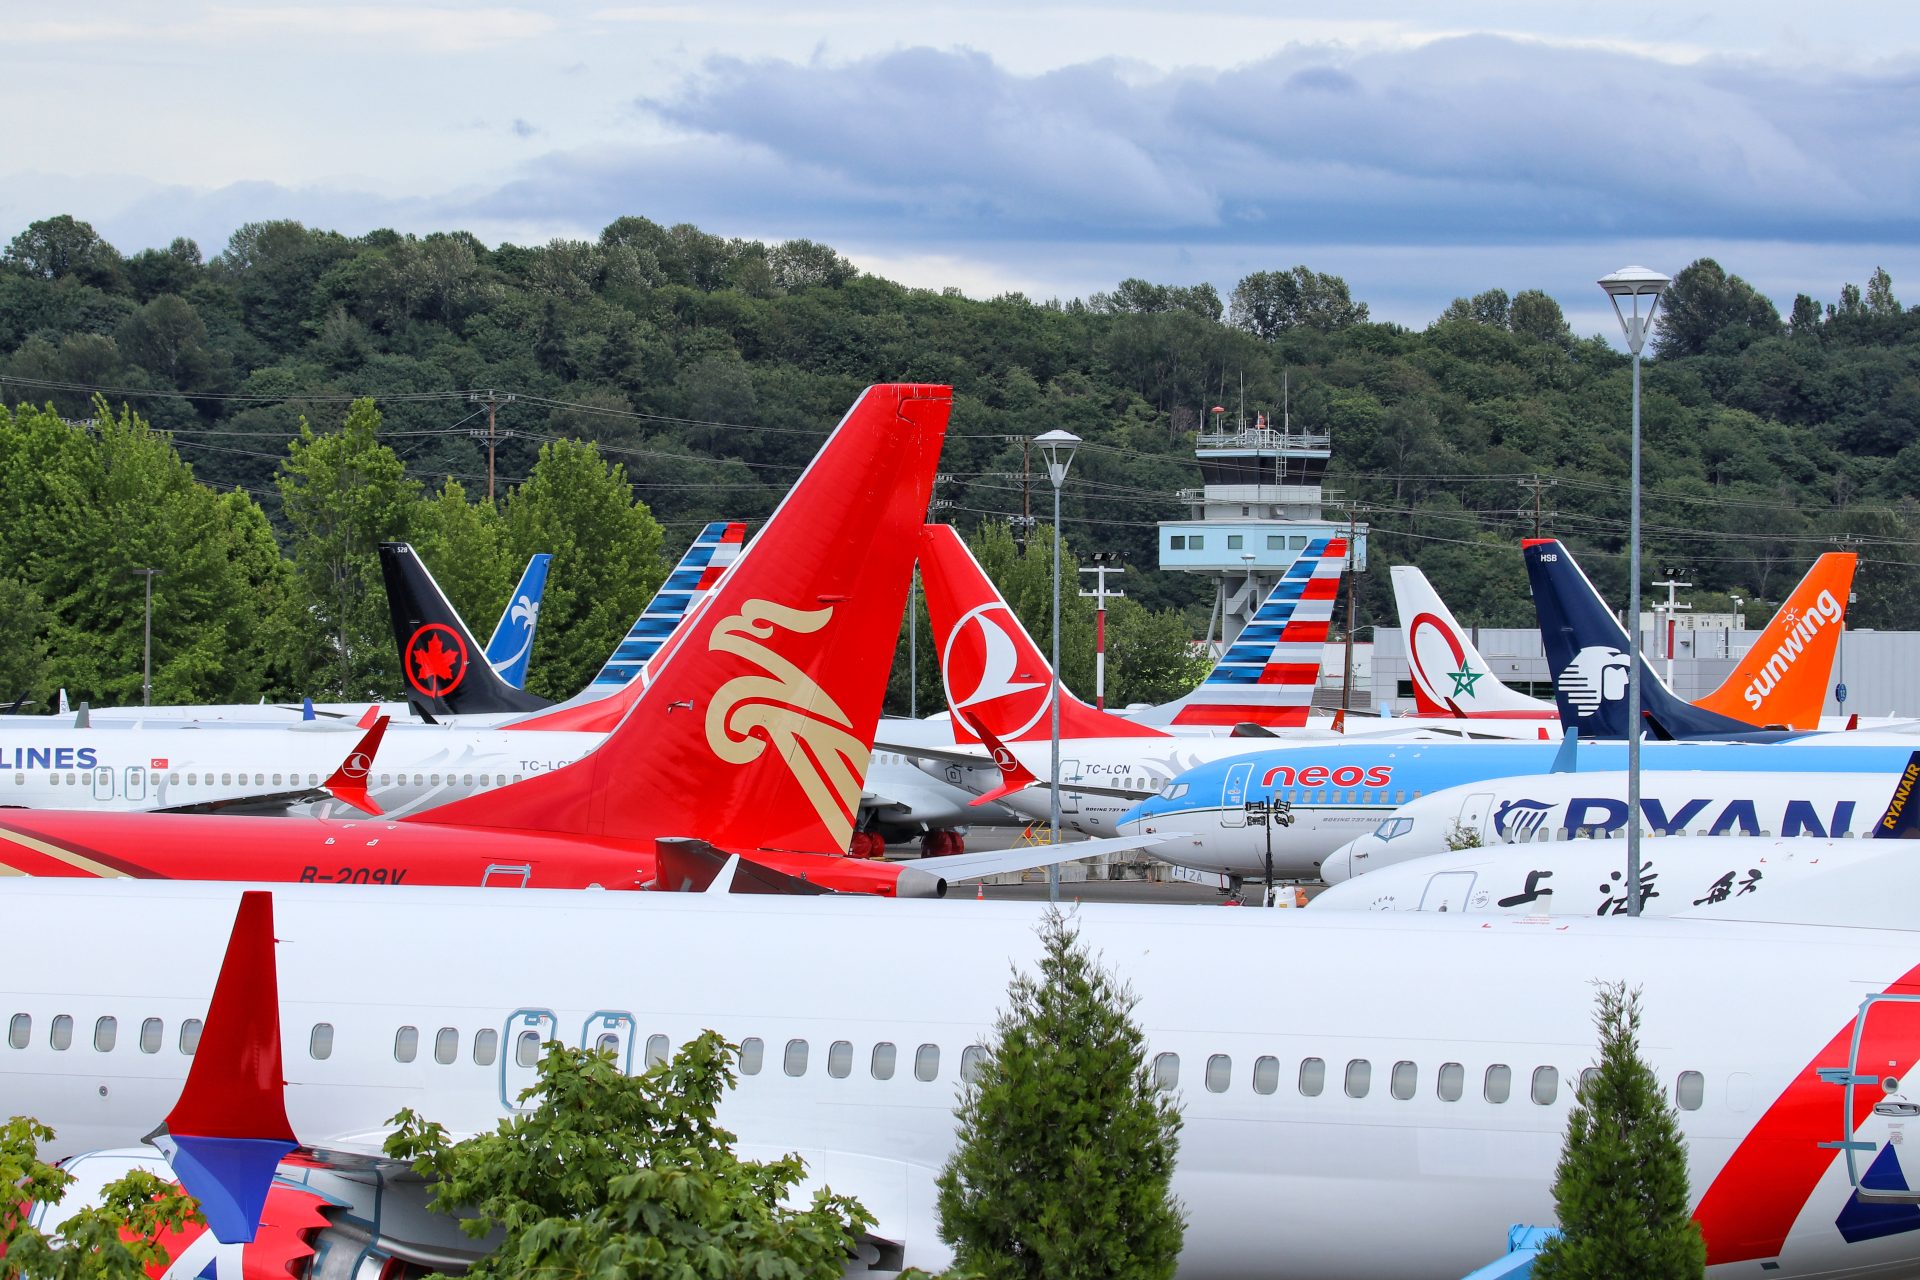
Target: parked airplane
x=510 y=650
x=1432 y=1058
x=1555 y=807
x=1781 y=680
x=1678 y=872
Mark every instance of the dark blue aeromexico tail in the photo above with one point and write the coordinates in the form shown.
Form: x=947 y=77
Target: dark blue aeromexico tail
x=445 y=670
x=512 y=642
x=1587 y=658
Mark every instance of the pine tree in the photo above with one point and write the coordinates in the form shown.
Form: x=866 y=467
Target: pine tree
x=1066 y=1149
x=1621 y=1187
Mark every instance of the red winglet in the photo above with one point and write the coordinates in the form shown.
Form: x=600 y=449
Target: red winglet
x=368 y=717
x=236 y=1088
x=1014 y=776
x=349 y=781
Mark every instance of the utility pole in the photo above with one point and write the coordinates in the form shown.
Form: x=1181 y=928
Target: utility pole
x=1846 y=542
x=1346 y=679
x=1104 y=563
x=1671 y=584
x=493 y=400
x=146 y=680
x=1536 y=484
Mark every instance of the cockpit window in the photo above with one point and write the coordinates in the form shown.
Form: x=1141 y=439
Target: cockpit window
x=1173 y=791
x=1393 y=827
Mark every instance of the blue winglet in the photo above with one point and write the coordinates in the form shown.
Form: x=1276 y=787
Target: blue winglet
x=230 y=1177
x=1566 y=759
x=306 y=709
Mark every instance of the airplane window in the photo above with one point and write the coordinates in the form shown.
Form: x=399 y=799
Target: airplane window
x=1546 y=1085
x=1313 y=1077
x=467 y=780
x=840 y=1059
x=1359 y=1078
x=1266 y=1074
x=313 y=779
x=1690 y=1090
x=1400 y=797
x=276 y=780
x=1393 y=828
x=105 y=1032
x=20 y=1030
x=658 y=1047
x=1588 y=1076
x=320 y=1041
x=607 y=1043
x=19 y=779
x=1406 y=1078
x=226 y=779
x=795 y=1063
x=1166 y=1071
x=752 y=1050
x=1219 y=1073
x=406 y=1044
x=193 y=780
x=446 y=1045
x=883 y=1056
x=53 y=779
x=518 y=776
x=1453 y=1081
x=486 y=779
x=73 y=779
x=190 y=1036
x=926 y=1062
x=173 y=779
x=1173 y=791
x=526 y=1049
x=1499 y=1083
x=61 y=1034
x=971 y=1059
x=420 y=780
x=486 y=1044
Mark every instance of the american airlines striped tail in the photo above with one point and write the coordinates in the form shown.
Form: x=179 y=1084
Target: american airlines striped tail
x=1450 y=678
x=718 y=546
x=1268 y=674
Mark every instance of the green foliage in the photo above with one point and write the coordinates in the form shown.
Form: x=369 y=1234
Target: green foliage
x=607 y=560
x=1706 y=308
x=1463 y=837
x=1066 y=1150
x=464 y=545
x=114 y=1239
x=1268 y=303
x=606 y=1174
x=1621 y=1187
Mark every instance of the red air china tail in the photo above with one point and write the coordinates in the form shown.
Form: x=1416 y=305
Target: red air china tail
x=994 y=673
x=757 y=733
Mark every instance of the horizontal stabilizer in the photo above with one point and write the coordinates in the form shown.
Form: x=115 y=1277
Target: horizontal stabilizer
x=1027 y=857
x=694 y=866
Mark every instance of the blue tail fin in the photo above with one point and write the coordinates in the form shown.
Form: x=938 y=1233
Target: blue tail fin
x=717 y=547
x=1901 y=821
x=1587 y=658
x=512 y=642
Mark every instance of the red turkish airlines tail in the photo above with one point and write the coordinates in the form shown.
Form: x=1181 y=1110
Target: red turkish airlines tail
x=994 y=674
x=758 y=733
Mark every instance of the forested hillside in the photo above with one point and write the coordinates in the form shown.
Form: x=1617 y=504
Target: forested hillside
x=331 y=381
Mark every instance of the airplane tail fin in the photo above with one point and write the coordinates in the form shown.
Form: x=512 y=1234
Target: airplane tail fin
x=718 y=546
x=512 y=643
x=1450 y=678
x=1268 y=674
x=437 y=651
x=1587 y=657
x=993 y=672
x=758 y=733
x=1783 y=678
x=1901 y=821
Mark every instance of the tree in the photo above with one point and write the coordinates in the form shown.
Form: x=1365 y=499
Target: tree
x=606 y=560
x=1268 y=303
x=607 y=1174
x=464 y=545
x=117 y=1238
x=1621 y=1187
x=1066 y=1148
x=1880 y=299
x=1706 y=308
x=344 y=493
x=63 y=247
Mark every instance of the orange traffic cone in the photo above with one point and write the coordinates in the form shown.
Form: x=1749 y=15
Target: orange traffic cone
x=980 y=891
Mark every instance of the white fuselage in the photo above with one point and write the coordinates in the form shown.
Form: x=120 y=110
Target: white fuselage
x=1557 y=807
x=1389 y=1111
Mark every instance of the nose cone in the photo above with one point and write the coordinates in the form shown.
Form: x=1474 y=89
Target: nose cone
x=1338 y=865
x=1133 y=821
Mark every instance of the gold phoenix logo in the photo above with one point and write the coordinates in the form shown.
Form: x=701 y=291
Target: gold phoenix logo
x=788 y=709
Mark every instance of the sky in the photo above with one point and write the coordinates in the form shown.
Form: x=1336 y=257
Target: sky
x=1421 y=150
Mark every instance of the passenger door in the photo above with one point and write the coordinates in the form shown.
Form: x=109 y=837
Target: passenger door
x=1881 y=1102
x=1233 y=795
x=1473 y=814
x=136 y=783
x=1447 y=891
x=525 y=1032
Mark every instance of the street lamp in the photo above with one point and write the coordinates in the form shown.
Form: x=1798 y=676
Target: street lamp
x=146 y=681
x=1057 y=448
x=1269 y=814
x=1639 y=290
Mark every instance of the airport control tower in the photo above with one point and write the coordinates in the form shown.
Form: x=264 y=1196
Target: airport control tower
x=1260 y=505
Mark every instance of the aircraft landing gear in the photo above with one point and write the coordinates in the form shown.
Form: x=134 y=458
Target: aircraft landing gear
x=935 y=844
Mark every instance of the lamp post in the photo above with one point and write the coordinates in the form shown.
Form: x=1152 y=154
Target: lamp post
x=146 y=679
x=1635 y=294
x=1267 y=814
x=1057 y=447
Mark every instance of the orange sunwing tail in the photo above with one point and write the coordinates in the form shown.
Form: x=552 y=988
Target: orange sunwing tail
x=1783 y=678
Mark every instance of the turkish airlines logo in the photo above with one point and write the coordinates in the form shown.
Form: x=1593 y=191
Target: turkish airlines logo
x=787 y=709
x=1598 y=673
x=357 y=766
x=436 y=660
x=1801 y=629
x=980 y=667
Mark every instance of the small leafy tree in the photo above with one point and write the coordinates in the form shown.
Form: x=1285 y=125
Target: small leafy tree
x=1066 y=1148
x=617 y=1175
x=117 y=1239
x=1461 y=837
x=1621 y=1188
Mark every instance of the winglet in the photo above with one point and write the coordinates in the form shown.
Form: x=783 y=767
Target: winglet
x=306 y=709
x=1566 y=759
x=1901 y=821
x=349 y=781
x=229 y=1130
x=1014 y=776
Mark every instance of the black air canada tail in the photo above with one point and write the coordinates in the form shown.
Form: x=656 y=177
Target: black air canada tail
x=445 y=669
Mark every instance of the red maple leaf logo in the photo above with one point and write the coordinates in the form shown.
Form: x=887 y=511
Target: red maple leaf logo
x=434 y=667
